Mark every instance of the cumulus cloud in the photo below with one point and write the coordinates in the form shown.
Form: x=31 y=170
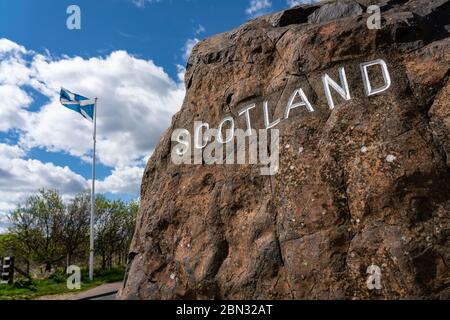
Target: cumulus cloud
x=14 y=103
x=258 y=7
x=141 y=3
x=189 y=45
x=10 y=46
x=200 y=29
x=9 y=152
x=126 y=180
x=293 y=3
x=14 y=72
x=136 y=102
x=19 y=177
x=4 y=223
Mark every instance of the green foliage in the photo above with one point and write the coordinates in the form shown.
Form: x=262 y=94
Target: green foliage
x=114 y=228
x=48 y=234
x=24 y=289
x=59 y=276
x=38 y=225
x=10 y=245
x=75 y=235
x=109 y=275
x=25 y=284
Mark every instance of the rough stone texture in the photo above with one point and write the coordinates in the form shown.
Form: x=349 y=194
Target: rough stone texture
x=335 y=10
x=310 y=231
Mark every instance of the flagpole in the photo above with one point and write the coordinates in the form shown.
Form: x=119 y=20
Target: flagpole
x=91 y=244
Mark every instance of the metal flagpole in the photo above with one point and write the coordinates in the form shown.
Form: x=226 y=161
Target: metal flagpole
x=91 y=246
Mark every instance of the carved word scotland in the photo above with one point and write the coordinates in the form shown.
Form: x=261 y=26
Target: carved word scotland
x=208 y=142
x=213 y=153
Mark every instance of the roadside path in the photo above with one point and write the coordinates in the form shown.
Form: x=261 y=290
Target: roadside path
x=107 y=291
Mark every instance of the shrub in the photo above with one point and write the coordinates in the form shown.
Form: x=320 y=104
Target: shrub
x=25 y=284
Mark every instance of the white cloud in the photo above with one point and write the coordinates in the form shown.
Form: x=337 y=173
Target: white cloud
x=258 y=7
x=14 y=72
x=293 y=3
x=13 y=68
x=181 y=72
x=19 y=177
x=125 y=180
x=9 y=152
x=4 y=223
x=10 y=46
x=200 y=29
x=136 y=102
x=141 y=3
x=189 y=45
x=14 y=102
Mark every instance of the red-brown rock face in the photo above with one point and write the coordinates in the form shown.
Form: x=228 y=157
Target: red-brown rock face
x=366 y=183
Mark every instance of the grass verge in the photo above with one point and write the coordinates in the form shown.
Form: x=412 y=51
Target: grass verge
x=56 y=284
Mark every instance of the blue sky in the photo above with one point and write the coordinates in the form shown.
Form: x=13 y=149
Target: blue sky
x=156 y=29
x=129 y=53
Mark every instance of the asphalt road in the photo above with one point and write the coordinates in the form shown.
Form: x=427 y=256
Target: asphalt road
x=103 y=292
x=108 y=297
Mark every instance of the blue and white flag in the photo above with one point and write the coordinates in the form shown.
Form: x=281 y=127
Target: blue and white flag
x=80 y=104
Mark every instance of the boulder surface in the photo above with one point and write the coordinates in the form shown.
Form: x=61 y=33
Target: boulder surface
x=364 y=184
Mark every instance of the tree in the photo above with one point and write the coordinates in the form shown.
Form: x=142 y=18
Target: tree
x=75 y=233
x=11 y=246
x=45 y=231
x=114 y=229
x=129 y=225
x=39 y=226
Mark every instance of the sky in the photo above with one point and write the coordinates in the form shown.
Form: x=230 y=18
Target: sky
x=130 y=54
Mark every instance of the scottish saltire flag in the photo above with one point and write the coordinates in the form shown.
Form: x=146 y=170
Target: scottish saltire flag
x=80 y=104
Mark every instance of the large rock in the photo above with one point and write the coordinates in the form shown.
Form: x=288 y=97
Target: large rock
x=365 y=184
